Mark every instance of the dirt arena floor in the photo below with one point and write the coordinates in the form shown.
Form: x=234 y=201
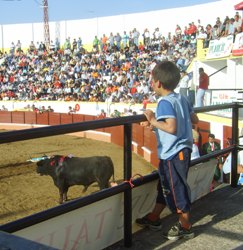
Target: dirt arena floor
x=23 y=192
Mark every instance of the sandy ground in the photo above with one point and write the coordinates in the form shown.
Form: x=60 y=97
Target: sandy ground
x=23 y=192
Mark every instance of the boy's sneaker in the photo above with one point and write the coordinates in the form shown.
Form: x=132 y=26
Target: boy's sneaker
x=177 y=232
x=146 y=222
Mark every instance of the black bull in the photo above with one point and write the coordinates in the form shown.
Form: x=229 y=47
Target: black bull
x=69 y=171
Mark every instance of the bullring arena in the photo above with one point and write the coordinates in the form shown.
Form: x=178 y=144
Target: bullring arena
x=24 y=192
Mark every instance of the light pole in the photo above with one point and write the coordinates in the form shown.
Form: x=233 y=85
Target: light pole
x=44 y=5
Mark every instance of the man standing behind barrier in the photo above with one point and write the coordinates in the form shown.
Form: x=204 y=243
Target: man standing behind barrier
x=203 y=86
x=172 y=123
x=183 y=84
x=209 y=147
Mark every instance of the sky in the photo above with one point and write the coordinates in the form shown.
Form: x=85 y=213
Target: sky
x=31 y=11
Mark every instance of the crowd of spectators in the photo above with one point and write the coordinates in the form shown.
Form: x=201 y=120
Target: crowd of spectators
x=117 y=69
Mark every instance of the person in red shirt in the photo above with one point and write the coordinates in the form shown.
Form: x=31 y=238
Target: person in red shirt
x=193 y=29
x=203 y=86
x=102 y=114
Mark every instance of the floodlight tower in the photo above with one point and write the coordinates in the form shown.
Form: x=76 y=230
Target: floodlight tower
x=46 y=24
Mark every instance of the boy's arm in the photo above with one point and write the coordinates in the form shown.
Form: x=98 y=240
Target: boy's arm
x=168 y=125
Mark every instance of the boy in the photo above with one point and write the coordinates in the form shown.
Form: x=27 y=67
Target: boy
x=172 y=123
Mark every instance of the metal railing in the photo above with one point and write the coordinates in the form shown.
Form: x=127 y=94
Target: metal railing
x=26 y=134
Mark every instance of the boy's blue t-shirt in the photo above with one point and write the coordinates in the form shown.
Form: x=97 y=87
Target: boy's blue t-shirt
x=178 y=107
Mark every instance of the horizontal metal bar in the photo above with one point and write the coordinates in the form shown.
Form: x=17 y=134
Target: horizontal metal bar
x=27 y=134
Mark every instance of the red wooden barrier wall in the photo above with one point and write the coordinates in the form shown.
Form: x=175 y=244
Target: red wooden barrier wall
x=30 y=117
x=18 y=117
x=227 y=134
x=54 y=118
x=138 y=137
x=42 y=118
x=66 y=118
x=143 y=136
x=5 y=117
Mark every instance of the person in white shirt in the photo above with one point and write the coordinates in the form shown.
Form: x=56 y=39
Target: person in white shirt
x=184 y=83
x=195 y=152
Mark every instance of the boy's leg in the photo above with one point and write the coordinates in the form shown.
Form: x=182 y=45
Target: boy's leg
x=185 y=220
x=158 y=208
x=152 y=219
x=177 y=175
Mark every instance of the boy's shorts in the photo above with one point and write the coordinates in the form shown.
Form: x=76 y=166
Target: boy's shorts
x=173 y=189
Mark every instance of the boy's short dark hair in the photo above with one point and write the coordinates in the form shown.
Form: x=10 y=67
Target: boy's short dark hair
x=167 y=73
x=211 y=136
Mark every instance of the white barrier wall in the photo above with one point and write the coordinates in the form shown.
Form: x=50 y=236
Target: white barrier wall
x=100 y=225
x=85 y=108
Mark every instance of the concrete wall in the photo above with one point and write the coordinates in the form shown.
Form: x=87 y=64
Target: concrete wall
x=166 y=20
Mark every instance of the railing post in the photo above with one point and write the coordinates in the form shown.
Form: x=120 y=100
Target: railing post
x=128 y=192
x=235 y=132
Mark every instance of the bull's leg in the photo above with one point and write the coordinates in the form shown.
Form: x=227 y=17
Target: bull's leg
x=60 y=196
x=85 y=189
x=103 y=185
x=65 y=194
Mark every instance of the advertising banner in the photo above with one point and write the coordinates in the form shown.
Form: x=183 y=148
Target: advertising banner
x=220 y=48
x=238 y=45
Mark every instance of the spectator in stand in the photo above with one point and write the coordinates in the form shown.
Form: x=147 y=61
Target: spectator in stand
x=79 y=43
x=184 y=83
x=116 y=114
x=231 y=27
x=52 y=46
x=135 y=35
x=218 y=22
x=50 y=109
x=71 y=110
x=3 y=108
x=199 y=25
x=12 y=48
x=111 y=40
x=104 y=40
x=209 y=35
x=74 y=45
x=178 y=31
x=32 y=47
x=145 y=101
x=146 y=38
x=237 y=24
x=96 y=44
x=18 y=47
x=225 y=27
x=215 y=32
x=102 y=114
x=193 y=29
x=118 y=40
x=203 y=86
x=202 y=34
x=125 y=39
x=57 y=45
x=157 y=36
x=186 y=31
